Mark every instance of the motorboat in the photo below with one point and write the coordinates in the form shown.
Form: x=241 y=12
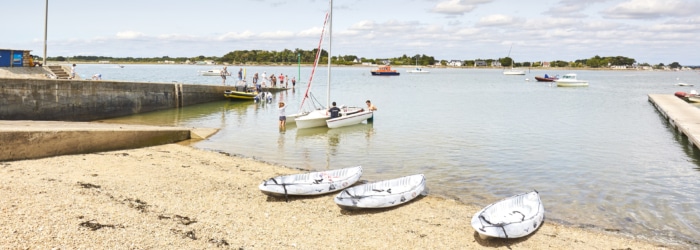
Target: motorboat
x=688 y=97
x=349 y=116
x=240 y=95
x=385 y=70
x=570 y=80
x=212 y=72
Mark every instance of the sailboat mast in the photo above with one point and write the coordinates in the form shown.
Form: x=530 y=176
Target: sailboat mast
x=330 y=42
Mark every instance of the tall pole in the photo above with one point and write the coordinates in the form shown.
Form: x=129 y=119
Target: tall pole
x=330 y=42
x=46 y=23
x=299 y=67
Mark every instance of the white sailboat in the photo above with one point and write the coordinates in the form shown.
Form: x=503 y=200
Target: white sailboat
x=318 y=117
x=321 y=117
x=513 y=71
x=417 y=70
x=312 y=121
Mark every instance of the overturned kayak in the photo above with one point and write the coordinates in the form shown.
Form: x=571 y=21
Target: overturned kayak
x=513 y=217
x=381 y=194
x=313 y=183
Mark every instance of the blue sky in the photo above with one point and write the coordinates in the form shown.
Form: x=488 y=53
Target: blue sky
x=651 y=31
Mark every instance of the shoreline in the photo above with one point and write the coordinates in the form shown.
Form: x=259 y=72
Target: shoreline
x=178 y=196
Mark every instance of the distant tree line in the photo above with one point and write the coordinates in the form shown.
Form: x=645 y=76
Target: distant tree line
x=290 y=57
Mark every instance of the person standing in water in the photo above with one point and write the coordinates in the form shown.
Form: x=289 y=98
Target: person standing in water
x=283 y=115
x=223 y=74
x=370 y=106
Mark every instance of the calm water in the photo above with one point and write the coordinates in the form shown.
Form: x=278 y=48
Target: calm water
x=600 y=156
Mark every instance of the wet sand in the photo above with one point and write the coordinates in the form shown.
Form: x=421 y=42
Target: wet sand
x=177 y=197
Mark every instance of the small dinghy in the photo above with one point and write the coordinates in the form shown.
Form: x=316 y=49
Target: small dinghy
x=380 y=194
x=313 y=183
x=512 y=217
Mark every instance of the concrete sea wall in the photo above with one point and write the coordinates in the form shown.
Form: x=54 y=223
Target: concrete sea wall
x=84 y=100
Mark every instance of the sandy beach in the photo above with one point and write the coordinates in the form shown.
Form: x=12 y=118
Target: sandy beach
x=176 y=197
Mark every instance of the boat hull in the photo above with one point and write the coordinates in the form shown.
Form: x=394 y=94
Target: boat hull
x=314 y=183
x=349 y=119
x=382 y=194
x=514 y=72
x=238 y=95
x=571 y=83
x=513 y=217
x=542 y=79
x=293 y=117
x=316 y=118
x=375 y=73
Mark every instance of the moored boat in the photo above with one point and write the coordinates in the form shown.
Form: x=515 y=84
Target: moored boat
x=417 y=71
x=514 y=72
x=385 y=70
x=688 y=97
x=570 y=80
x=212 y=72
x=546 y=78
x=240 y=95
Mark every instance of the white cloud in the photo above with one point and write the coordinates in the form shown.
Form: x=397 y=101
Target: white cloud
x=457 y=7
x=496 y=20
x=277 y=35
x=652 y=9
x=129 y=35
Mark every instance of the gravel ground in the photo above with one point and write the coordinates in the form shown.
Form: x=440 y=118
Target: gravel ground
x=177 y=197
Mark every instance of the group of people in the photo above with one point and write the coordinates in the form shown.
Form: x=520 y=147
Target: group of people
x=273 y=80
x=224 y=73
x=334 y=112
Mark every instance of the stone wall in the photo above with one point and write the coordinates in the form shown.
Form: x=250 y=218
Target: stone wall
x=84 y=100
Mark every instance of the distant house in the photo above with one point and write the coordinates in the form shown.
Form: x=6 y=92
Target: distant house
x=357 y=60
x=496 y=63
x=546 y=65
x=455 y=63
x=480 y=63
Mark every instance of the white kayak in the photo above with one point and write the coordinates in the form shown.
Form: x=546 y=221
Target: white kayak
x=513 y=217
x=313 y=183
x=380 y=194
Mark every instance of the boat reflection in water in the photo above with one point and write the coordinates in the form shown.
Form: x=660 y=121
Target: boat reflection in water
x=334 y=135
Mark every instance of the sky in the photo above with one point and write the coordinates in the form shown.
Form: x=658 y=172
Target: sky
x=650 y=31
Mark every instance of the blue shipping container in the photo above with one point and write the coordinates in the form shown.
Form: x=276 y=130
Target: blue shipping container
x=5 y=58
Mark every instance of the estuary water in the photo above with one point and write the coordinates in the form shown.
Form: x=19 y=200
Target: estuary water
x=600 y=156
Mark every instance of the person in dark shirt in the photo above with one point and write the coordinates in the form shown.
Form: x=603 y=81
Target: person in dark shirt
x=334 y=111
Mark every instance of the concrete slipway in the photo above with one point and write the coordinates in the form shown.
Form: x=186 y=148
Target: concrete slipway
x=37 y=139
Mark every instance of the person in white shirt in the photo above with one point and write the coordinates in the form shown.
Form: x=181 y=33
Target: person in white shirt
x=283 y=115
